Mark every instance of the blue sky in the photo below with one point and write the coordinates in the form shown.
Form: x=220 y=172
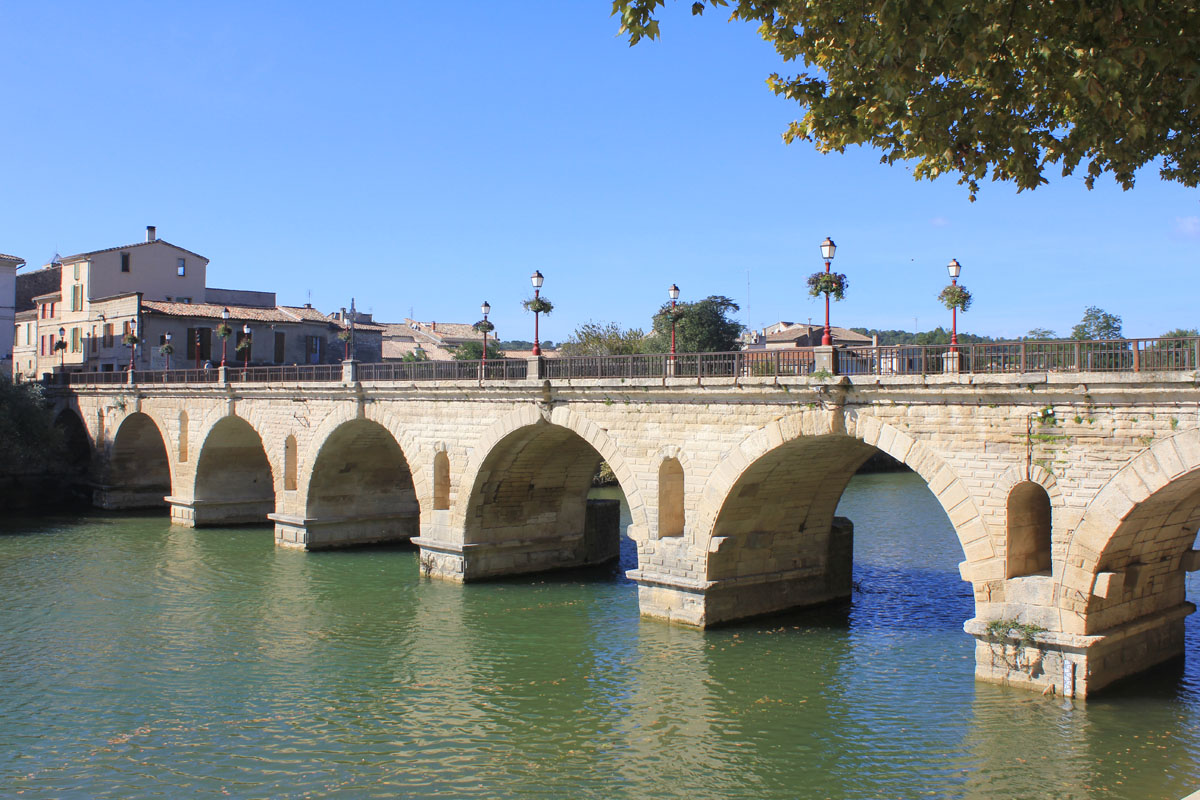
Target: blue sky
x=432 y=155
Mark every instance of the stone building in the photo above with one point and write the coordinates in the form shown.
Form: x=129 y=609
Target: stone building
x=792 y=334
x=8 y=307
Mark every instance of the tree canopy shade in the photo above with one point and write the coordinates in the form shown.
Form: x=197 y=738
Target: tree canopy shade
x=979 y=88
x=473 y=351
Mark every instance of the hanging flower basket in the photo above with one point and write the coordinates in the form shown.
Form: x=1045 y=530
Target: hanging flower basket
x=538 y=305
x=129 y=339
x=483 y=326
x=955 y=297
x=829 y=283
x=167 y=349
x=244 y=344
x=224 y=331
x=343 y=336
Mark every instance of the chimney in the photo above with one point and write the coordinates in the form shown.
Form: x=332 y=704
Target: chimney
x=434 y=326
x=150 y=235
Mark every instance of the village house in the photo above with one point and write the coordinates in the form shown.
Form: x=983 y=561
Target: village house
x=791 y=334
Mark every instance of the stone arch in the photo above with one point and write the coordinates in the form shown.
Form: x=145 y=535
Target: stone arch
x=360 y=489
x=768 y=529
x=76 y=441
x=233 y=481
x=1125 y=559
x=1028 y=523
x=528 y=507
x=939 y=476
x=138 y=472
x=441 y=481
x=590 y=432
x=670 y=497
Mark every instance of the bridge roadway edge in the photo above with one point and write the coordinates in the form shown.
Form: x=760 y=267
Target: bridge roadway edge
x=1102 y=422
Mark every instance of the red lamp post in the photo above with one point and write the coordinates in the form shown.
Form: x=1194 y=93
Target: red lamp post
x=225 y=338
x=62 y=349
x=167 y=337
x=486 y=309
x=673 y=293
x=827 y=250
x=248 y=339
x=133 y=346
x=955 y=269
x=536 y=278
x=197 y=348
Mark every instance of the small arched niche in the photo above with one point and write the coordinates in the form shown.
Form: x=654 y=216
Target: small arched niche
x=1028 y=551
x=670 y=498
x=289 y=464
x=441 y=481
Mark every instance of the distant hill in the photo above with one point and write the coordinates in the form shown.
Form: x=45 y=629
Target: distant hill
x=938 y=335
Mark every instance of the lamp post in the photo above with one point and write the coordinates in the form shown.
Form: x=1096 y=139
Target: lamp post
x=673 y=293
x=827 y=250
x=536 y=279
x=167 y=336
x=954 y=268
x=486 y=309
x=225 y=338
x=62 y=348
x=248 y=340
x=197 y=348
x=133 y=346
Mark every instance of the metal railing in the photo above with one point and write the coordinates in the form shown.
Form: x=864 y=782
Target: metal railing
x=295 y=373
x=496 y=370
x=1118 y=355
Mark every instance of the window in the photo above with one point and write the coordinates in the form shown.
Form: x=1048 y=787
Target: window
x=199 y=341
x=181 y=269
x=108 y=334
x=77 y=297
x=94 y=341
x=76 y=265
x=124 y=262
x=313 y=349
x=76 y=340
x=42 y=346
x=280 y=351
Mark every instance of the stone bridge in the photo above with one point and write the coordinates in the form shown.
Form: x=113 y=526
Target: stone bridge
x=1075 y=496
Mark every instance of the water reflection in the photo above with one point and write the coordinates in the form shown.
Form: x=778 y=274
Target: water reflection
x=141 y=660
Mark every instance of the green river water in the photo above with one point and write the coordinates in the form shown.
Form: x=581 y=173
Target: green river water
x=139 y=660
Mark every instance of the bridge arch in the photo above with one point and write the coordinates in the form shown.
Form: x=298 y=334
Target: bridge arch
x=360 y=489
x=138 y=473
x=785 y=480
x=1126 y=559
x=233 y=482
x=528 y=509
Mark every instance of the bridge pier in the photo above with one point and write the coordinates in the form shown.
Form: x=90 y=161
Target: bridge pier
x=211 y=513
x=308 y=533
x=446 y=559
x=823 y=575
x=116 y=498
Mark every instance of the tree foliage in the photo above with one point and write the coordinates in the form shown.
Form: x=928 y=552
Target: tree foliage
x=1040 y=334
x=603 y=339
x=700 y=327
x=473 y=351
x=29 y=440
x=1097 y=324
x=937 y=336
x=982 y=88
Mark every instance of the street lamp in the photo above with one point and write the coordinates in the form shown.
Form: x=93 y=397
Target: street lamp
x=828 y=248
x=133 y=345
x=62 y=348
x=248 y=340
x=536 y=279
x=954 y=268
x=197 y=348
x=673 y=293
x=225 y=338
x=167 y=336
x=486 y=309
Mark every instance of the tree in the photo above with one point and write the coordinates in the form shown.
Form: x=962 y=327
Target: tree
x=1040 y=334
x=700 y=327
x=979 y=88
x=29 y=440
x=473 y=351
x=1097 y=324
x=1181 y=333
x=603 y=339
